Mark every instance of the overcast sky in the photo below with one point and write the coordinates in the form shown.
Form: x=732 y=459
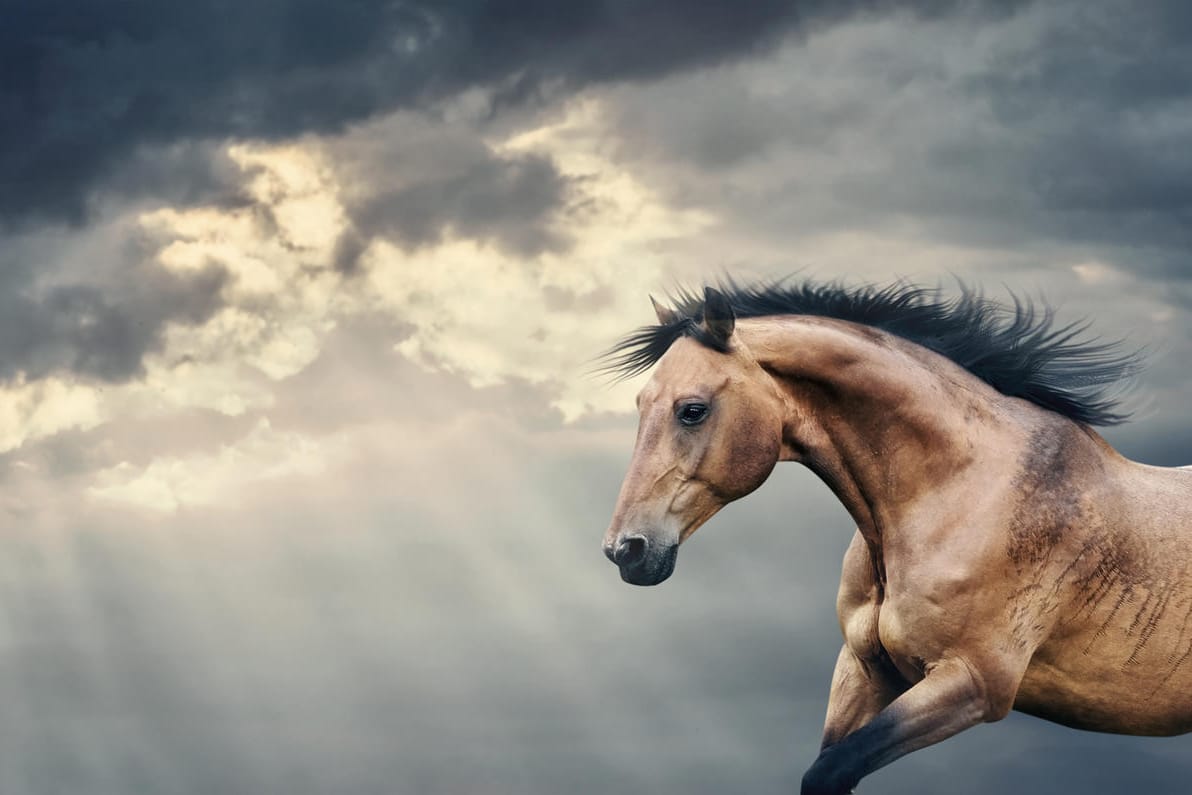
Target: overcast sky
x=302 y=479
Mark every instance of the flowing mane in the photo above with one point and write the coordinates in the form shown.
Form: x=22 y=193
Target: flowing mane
x=1016 y=348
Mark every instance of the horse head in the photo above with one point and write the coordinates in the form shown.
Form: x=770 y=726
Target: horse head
x=710 y=432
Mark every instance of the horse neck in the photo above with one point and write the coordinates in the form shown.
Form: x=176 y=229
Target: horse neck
x=882 y=421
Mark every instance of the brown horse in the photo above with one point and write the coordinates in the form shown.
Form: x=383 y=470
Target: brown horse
x=1006 y=557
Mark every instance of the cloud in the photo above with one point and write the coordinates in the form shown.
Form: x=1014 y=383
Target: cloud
x=207 y=307
x=1048 y=127
x=417 y=180
x=90 y=91
x=543 y=320
x=91 y=302
x=169 y=484
x=228 y=302
x=33 y=410
x=114 y=120
x=100 y=332
x=567 y=218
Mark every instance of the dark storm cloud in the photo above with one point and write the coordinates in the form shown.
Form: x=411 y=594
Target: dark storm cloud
x=109 y=104
x=414 y=179
x=89 y=86
x=99 y=331
x=509 y=200
x=184 y=173
x=1091 y=116
x=1061 y=123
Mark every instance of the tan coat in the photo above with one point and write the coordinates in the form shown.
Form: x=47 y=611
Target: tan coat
x=1005 y=558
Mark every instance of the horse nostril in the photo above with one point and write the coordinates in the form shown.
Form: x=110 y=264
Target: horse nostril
x=631 y=551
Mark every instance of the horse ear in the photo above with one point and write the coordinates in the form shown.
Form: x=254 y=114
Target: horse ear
x=666 y=315
x=718 y=314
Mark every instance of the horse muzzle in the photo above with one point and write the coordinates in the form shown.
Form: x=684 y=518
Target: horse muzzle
x=641 y=561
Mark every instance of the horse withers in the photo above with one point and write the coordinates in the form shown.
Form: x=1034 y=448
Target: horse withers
x=1006 y=557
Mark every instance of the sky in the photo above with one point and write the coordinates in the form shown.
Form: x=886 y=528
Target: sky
x=303 y=469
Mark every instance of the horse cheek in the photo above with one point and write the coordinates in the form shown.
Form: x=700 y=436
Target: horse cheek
x=751 y=457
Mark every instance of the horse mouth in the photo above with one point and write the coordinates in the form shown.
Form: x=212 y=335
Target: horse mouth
x=653 y=569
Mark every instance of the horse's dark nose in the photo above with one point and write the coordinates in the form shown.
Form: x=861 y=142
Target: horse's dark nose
x=630 y=551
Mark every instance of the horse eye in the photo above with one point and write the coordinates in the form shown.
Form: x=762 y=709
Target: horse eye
x=692 y=413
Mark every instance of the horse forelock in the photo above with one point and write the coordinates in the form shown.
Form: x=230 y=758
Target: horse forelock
x=641 y=349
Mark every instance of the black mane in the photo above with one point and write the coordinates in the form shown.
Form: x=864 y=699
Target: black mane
x=1015 y=348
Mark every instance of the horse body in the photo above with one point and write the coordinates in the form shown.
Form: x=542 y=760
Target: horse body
x=1099 y=609
x=1006 y=557
x=1018 y=536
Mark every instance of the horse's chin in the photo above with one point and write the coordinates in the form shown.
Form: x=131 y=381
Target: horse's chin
x=654 y=569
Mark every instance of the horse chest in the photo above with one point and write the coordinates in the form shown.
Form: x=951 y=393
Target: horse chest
x=863 y=636
x=884 y=632
x=907 y=621
x=909 y=631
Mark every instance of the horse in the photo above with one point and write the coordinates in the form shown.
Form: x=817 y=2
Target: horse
x=1005 y=556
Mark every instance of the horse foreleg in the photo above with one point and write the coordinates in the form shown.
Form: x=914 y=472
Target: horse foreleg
x=948 y=700
x=861 y=688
